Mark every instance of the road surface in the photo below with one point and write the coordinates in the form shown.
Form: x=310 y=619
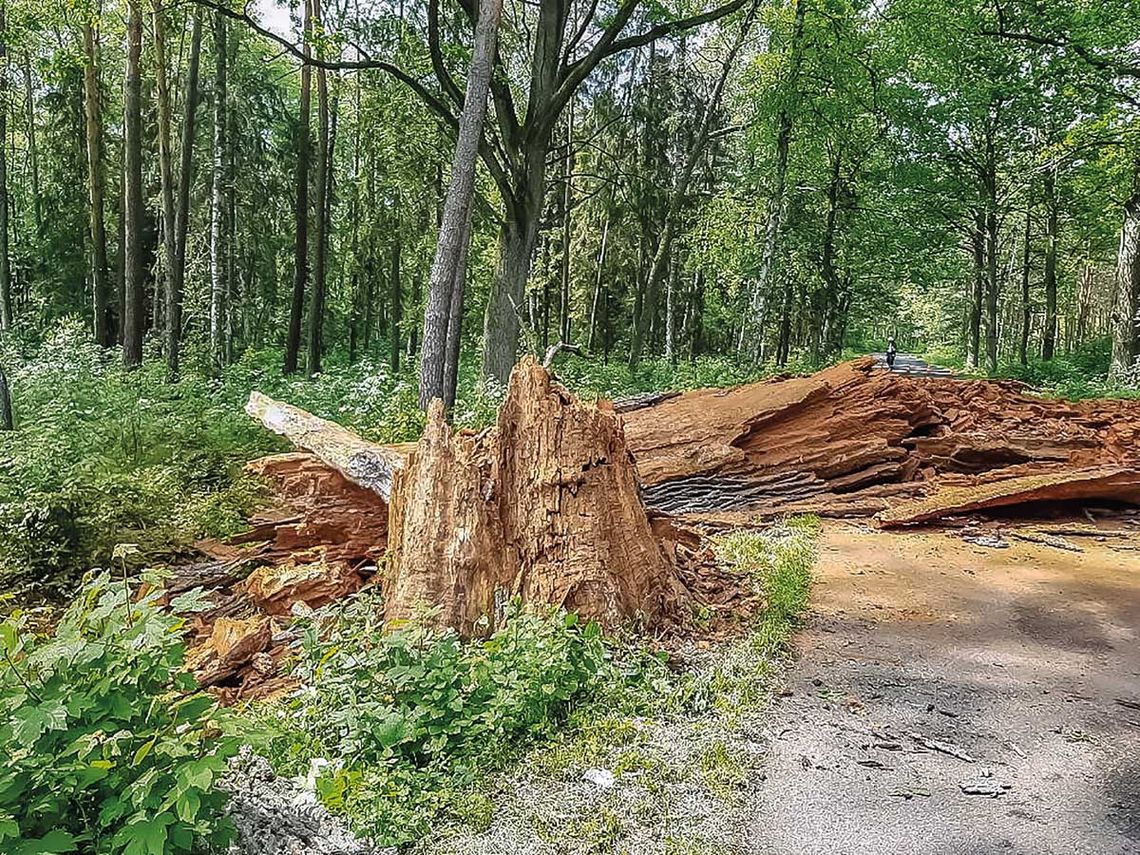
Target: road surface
x=908 y=363
x=1025 y=660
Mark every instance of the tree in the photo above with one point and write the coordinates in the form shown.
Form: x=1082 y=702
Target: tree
x=5 y=261
x=1126 y=314
x=445 y=288
x=176 y=281
x=324 y=172
x=301 y=219
x=95 y=184
x=219 y=204
x=133 y=272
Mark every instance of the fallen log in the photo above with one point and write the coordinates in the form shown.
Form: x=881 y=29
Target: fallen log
x=1003 y=488
x=364 y=463
x=840 y=441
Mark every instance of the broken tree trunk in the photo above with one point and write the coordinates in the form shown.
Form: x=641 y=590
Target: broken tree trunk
x=365 y=463
x=854 y=440
x=544 y=507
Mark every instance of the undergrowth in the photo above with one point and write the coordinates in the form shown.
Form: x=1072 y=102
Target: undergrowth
x=109 y=748
x=102 y=456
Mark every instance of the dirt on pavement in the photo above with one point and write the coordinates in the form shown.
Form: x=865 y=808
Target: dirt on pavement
x=953 y=698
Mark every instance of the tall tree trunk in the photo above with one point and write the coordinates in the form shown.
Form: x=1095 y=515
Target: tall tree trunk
x=681 y=187
x=991 y=265
x=455 y=319
x=218 y=206
x=5 y=262
x=165 y=167
x=776 y=203
x=446 y=277
x=1049 y=342
x=301 y=237
x=33 y=146
x=177 y=280
x=598 y=280
x=6 y=420
x=974 y=321
x=132 y=192
x=396 y=307
x=1126 y=311
x=324 y=167
x=1023 y=344
x=567 y=222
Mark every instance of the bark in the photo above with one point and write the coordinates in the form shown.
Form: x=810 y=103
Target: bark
x=544 y=506
x=447 y=278
x=301 y=236
x=324 y=169
x=182 y=213
x=1052 y=229
x=133 y=271
x=1126 y=311
x=365 y=464
x=219 y=280
x=166 y=176
x=5 y=261
x=766 y=276
x=681 y=185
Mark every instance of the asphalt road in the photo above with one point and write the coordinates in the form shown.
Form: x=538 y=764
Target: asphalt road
x=908 y=363
x=1024 y=660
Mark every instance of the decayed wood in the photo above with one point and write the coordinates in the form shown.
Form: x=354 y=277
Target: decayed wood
x=544 y=506
x=975 y=494
x=365 y=463
x=838 y=441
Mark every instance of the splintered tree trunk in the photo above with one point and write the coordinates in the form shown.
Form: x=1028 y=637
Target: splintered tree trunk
x=544 y=506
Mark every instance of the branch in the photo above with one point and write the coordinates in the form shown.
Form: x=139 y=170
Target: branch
x=1096 y=60
x=672 y=27
x=445 y=79
x=430 y=99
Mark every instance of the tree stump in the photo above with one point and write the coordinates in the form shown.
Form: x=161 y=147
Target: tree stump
x=543 y=506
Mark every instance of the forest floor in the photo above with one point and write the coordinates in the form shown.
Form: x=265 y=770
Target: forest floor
x=1019 y=658
x=1022 y=661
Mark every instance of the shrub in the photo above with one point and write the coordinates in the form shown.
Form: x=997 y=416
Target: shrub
x=109 y=747
x=405 y=719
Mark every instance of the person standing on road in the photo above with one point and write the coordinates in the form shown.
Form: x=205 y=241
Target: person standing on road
x=891 y=351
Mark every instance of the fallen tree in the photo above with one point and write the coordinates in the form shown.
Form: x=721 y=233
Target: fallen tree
x=855 y=441
x=604 y=509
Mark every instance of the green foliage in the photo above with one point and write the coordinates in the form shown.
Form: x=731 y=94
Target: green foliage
x=109 y=748
x=408 y=718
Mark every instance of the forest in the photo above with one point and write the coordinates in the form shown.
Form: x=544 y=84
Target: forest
x=359 y=208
